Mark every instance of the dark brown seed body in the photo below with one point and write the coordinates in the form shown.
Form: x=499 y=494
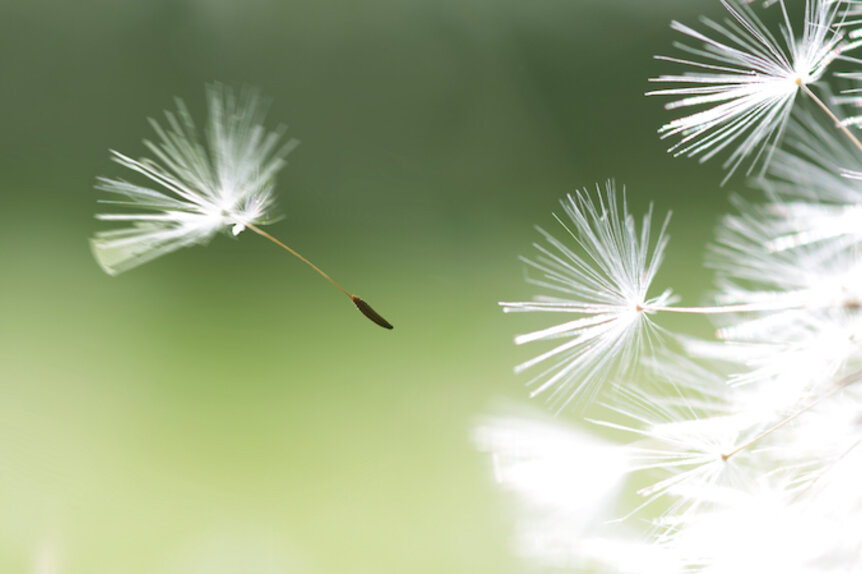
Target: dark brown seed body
x=373 y=315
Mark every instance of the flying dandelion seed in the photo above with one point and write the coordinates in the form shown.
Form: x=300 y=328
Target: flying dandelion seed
x=224 y=185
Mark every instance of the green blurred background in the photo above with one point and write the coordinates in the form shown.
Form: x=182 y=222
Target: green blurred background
x=224 y=410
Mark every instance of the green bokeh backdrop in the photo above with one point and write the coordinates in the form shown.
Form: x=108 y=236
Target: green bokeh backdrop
x=223 y=410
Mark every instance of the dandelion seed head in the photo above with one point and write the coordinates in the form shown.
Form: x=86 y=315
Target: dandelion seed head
x=743 y=81
x=601 y=275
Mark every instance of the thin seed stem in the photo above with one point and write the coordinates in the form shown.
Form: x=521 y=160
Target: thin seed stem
x=360 y=303
x=296 y=254
x=726 y=309
x=838 y=123
x=843 y=383
x=768 y=432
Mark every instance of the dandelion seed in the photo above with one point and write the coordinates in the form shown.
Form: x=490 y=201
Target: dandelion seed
x=604 y=286
x=604 y=281
x=745 y=81
x=199 y=189
x=683 y=425
x=800 y=325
